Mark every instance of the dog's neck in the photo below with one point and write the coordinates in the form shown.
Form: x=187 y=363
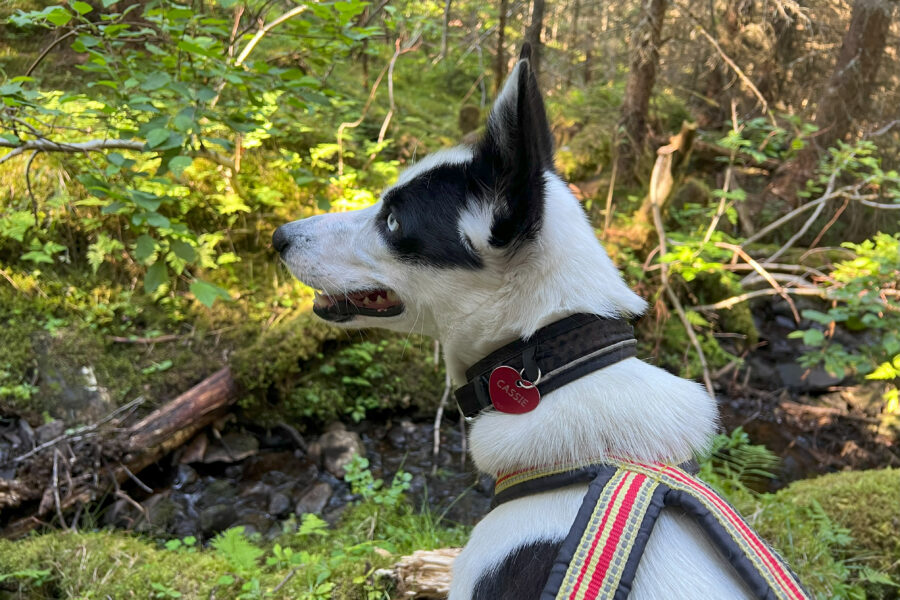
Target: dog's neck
x=631 y=409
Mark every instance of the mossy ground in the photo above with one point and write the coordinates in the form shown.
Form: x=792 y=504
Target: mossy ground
x=836 y=531
x=334 y=563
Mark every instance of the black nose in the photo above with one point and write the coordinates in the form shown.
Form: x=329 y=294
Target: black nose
x=280 y=240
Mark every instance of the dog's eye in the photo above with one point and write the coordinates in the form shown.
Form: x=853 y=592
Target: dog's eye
x=392 y=223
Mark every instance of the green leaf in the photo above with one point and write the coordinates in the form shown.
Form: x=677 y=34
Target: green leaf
x=207 y=293
x=156 y=137
x=144 y=248
x=813 y=337
x=156 y=275
x=59 y=17
x=156 y=80
x=183 y=250
x=82 y=8
x=38 y=256
x=178 y=164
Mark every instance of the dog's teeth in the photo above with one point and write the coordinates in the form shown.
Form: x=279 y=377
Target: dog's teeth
x=392 y=297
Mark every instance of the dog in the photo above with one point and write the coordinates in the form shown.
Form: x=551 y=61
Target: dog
x=481 y=245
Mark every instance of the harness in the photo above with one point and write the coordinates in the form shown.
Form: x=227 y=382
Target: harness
x=600 y=554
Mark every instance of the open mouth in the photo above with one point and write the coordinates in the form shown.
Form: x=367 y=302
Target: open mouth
x=366 y=303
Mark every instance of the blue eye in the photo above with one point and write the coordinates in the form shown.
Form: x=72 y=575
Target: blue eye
x=392 y=223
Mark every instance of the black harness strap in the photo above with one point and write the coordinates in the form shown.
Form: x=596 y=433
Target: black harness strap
x=555 y=355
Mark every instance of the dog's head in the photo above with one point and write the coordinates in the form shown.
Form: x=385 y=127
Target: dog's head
x=471 y=242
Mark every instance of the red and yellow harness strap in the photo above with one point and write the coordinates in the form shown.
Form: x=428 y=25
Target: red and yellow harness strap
x=599 y=557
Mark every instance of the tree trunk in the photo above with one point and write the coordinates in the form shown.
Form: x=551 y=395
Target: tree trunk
x=848 y=93
x=500 y=64
x=533 y=34
x=641 y=78
x=444 y=27
x=572 y=44
x=846 y=96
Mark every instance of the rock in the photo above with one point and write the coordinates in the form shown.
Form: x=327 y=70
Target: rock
x=279 y=504
x=401 y=434
x=233 y=447
x=796 y=377
x=195 y=449
x=49 y=431
x=337 y=447
x=314 y=499
x=160 y=511
x=216 y=518
x=217 y=492
x=76 y=393
x=184 y=477
x=300 y=469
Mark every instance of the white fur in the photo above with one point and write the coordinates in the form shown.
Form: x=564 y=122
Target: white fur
x=450 y=156
x=630 y=408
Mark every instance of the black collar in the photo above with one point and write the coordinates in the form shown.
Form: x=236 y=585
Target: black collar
x=554 y=356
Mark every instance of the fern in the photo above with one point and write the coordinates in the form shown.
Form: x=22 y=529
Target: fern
x=734 y=464
x=237 y=550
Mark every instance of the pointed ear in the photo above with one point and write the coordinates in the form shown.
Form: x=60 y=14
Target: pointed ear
x=517 y=149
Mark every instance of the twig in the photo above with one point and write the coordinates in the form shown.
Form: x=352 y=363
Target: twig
x=436 y=448
x=398 y=52
x=56 y=499
x=82 y=430
x=728 y=176
x=287 y=578
x=47 y=51
x=607 y=216
x=729 y=302
x=846 y=191
x=764 y=274
x=34 y=206
x=145 y=340
x=353 y=124
x=833 y=220
x=134 y=478
x=264 y=29
x=663 y=162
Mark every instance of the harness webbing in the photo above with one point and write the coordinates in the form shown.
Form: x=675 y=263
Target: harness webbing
x=600 y=555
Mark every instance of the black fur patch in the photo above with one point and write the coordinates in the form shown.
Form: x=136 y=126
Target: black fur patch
x=521 y=576
x=507 y=168
x=428 y=209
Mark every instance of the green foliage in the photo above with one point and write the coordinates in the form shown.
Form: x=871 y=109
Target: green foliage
x=180 y=109
x=864 y=293
x=840 y=548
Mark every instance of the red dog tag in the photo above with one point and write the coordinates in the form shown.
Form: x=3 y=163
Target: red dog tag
x=512 y=394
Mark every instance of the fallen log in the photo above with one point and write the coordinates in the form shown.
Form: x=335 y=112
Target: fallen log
x=91 y=462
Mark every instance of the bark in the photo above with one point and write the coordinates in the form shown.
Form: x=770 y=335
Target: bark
x=533 y=34
x=848 y=93
x=500 y=64
x=105 y=459
x=644 y=60
x=846 y=96
x=572 y=45
x=444 y=27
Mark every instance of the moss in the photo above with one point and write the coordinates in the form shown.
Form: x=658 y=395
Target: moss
x=313 y=374
x=865 y=502
x=106 y=565
x=836 y=531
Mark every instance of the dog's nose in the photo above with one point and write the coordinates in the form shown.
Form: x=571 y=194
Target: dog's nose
x=280 y=239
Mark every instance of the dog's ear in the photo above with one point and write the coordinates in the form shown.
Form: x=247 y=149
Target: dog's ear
x=514 y=154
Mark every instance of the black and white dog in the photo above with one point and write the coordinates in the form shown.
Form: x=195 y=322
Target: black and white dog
x=477 y=247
